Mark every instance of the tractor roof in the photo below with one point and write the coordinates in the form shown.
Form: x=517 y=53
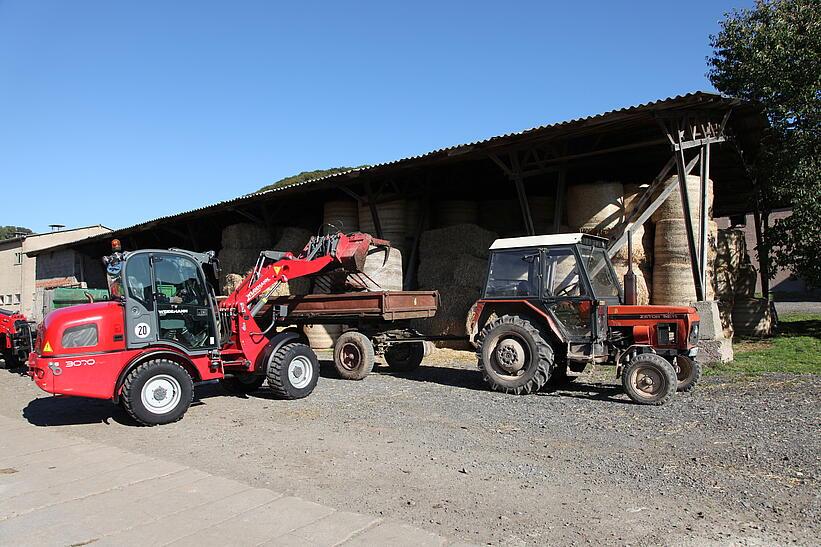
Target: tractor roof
x=541 y=241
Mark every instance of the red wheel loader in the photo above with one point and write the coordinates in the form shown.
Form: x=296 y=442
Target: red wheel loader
x=15 y=339
x=164 y=330
x=553 y=303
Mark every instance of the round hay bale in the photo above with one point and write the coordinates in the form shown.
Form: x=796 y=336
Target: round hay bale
x=343 y=215
x=462 y=271
x=293 y=240
x=673 y=285
x=503 y=216
x=671 y=246
x=642 y=285
x=452 y=212
x=466 y=239
x=245 y=235
x=322 y=336
x=640 y=254
x=595 y=207
x=384 y=270
x=725 y=314
x=632 y=194
x=237 y=261
x=391 y=219
x=671 y=208
x=746 y=280
x=230 y=282
x=752 y=317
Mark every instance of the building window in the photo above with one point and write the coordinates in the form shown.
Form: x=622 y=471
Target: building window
x=16 y=299
x=2 y=299
x=18 y=258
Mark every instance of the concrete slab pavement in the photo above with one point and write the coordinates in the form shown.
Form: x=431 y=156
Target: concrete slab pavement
x=56 y=489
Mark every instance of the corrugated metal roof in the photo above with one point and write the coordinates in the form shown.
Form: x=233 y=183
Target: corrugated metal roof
x=678 y=100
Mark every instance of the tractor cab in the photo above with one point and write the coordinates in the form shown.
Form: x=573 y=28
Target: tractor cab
x=167 y=298
x=569 y=277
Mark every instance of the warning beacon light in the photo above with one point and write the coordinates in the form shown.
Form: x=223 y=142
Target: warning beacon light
x=116 y=246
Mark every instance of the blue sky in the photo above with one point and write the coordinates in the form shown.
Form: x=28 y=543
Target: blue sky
x=119 y=112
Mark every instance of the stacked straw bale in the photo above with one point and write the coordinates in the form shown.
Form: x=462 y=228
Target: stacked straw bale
x=595 y=208
x=392 y=220
x=241 y=245
x=340 y=216
x=453 y=260
x=672 y=208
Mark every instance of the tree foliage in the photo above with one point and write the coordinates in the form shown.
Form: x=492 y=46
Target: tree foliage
x=772 y=54
x=7 y=232
x=308 y=175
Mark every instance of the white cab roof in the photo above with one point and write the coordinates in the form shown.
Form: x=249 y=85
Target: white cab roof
x=540 y=241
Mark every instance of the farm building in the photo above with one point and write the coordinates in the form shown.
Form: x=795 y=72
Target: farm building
x=611 y=174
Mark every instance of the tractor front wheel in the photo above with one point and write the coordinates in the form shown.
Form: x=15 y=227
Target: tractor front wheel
x=514 y=355
x=157 y=392
x=405 y=357
x=353 y=355
x=242 y=384
x=293 y=371
x=649 y=379
x=688 y=372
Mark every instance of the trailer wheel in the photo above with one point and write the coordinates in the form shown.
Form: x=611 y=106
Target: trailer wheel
x=353 y=355
x=405 y=357
x=688 y=372
x=514 y=356
x=242 y=384
x=157 y=392
x=649 y=379
x=293 y=371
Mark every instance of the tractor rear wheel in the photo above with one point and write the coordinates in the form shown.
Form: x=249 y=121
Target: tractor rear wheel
x=157 y=392
x=242 y=384
x=688 y=372
x=514 y=355
x=353 y=355
x=293 y=371
x=649 y=379
x=405 y=357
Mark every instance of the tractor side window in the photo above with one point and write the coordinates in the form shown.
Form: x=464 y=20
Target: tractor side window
x=182 y=302
x=602 y=278
x=513 y=273
x=563 y=274
x=138 y=280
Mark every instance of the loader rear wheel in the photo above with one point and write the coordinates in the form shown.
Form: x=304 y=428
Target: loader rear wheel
x=353 y=355
x=688 y=372
x=157 y=392
x=242 y=384
x=649 y=379
x=405 y=357
x=293 y=371
x=514 y=355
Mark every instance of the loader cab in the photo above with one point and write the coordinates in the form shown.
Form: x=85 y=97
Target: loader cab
x=167 y=298
x=568 y=277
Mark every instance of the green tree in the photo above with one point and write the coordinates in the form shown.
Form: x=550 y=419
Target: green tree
x=308 y=175
x=7 y=232
x=772 y=54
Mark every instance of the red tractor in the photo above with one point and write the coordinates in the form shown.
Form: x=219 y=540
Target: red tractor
x=553 y=303
x=15 y=339
x=164 y=330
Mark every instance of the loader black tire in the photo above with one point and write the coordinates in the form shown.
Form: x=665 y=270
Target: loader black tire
x=293 y=371
x=242 y=384
x=649 y=379
x=523 y=363
x=157 y=392
x=405 y=357
x=688 y=373
x=353 y=355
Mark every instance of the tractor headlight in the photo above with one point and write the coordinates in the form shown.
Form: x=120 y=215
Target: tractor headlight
x=694 y=334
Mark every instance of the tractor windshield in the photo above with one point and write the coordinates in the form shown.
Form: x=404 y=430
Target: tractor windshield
x=513 y=273
x=601 y=274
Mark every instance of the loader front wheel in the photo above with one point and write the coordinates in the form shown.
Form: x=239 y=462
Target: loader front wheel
x=514 y=356
x=293 y=371
x=157 y=392
x=649 y=379
x=353 y=355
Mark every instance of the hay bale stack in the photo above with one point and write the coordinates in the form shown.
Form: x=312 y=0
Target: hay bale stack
x=671 y=208
x=632 y=194
x=343 y=215
x=391 y=220
x=453 y=212
x=595 y=208
x=642 y=253
x=246 y=235
x=461 y=271
x=451 y=318
x=241 y=245
x=752 y=317
x=466 y=239
x=322 y=336
x=643 y=279
x=672 y=274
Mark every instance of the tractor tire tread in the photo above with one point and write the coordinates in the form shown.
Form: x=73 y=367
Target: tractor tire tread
x=126 y=397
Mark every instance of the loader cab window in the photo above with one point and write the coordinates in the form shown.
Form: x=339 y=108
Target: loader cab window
x=513 y=274
x=182 y=301
x=138 y=280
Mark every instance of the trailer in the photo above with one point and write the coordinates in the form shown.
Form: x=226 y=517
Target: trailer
x=376 y=324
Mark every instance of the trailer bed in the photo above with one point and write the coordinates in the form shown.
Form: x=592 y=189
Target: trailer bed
x=382 y=305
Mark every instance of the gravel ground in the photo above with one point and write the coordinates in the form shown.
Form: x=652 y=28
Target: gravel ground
x=734 y=462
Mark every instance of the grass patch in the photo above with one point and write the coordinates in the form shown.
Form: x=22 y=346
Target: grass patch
x=795 y=349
